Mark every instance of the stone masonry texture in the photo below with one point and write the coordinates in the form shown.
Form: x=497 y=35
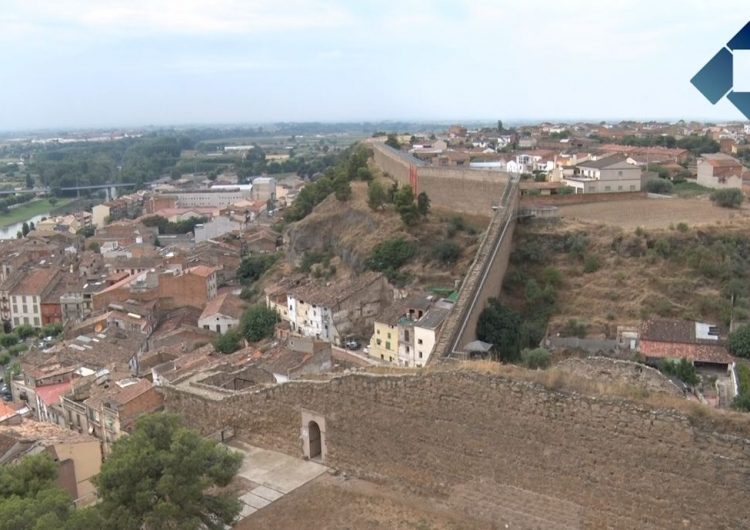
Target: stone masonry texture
x=561 y=460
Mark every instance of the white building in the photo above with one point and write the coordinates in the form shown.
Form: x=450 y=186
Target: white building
x=214 y=228
x=611 y=174
x=311 y=320
x=211 y=198
x=720 y=171
x=222 y=313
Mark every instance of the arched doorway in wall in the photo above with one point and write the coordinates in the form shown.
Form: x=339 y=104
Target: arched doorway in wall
x=315 y=441
x=313 y=435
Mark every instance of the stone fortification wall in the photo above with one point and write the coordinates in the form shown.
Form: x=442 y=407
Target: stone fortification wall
x=514 y=450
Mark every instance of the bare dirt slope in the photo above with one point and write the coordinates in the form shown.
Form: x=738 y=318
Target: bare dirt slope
x=652 y=213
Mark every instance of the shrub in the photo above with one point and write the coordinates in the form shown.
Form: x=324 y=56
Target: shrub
x=229 y=342
x=573 y=328
x=659 y=185
x=537 y=358
x=391 y=255
x=683 y=369
x=739 y=342
x=8 y=340
x=566 y=190
x=258 y=322
x=682 y=227
x=447 y=252
x=252 y=267
x=18 y=348
x=663 y=248
x=729 y=198
x=24 y=331
x=552 y=276
x=500 y=326
x=591 y=264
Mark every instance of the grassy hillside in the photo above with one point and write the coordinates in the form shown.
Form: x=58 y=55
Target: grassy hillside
x=603 y=277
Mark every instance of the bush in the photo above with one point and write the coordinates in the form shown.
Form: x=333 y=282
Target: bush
x=24 y=331
x=537 y=358
x=229 y=342
x=499 y=326
x=18 y=348
x=573 y=328
x=391 y=255
x=566 y=190
x=259 y=322
x=252 y=267
x=659 y=185
x=8 y=340
x=52 y=330
x=447 y=252
x=683 y=369
x=739 y=342
x=682 y=227
x=730 y=198
x=591 y=264
x=552 y=277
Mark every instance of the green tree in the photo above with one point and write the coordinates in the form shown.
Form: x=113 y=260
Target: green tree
x=738 y=342
x=25 y=229
x=729 y=198
x=229 y=342
x=24 y=331
x=252 y=267
x=8 y=340
x=500 y=326
x=423 y=204
x=342 y=189
x=94 y=246
x=375 y=195
x=31 y=499
x=392 y=141
x=258 y=322
x=163 y=476
x=536 y=358
x=404 y=201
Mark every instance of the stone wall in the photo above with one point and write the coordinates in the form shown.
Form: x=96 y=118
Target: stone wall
x=561 y=460
x=464 y=190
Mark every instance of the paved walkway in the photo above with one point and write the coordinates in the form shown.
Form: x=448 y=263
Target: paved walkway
x=272 y=474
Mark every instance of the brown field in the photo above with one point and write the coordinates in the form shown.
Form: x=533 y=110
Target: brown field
x=332 y=503
x=653 y=213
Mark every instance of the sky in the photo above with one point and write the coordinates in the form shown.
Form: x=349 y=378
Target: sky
x=106 y=63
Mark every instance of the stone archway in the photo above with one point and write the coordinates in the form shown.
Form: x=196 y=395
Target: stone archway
x=314 y=439
x=313 y=431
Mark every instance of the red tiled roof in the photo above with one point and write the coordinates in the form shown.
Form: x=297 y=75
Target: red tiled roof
x=50 y=394
x=202 y=270
x=707 y=353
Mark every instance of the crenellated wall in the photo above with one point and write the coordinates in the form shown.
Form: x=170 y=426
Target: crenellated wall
x=512 y=449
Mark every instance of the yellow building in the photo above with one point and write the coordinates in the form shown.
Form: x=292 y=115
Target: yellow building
x=385 y=336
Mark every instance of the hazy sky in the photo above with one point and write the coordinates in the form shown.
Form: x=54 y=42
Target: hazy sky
x=68 y=63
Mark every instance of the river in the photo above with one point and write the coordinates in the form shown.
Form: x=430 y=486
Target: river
x=10 y=231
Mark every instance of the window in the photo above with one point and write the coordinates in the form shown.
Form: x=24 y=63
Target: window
x=632 y=188
x=382 y=357
x=619 y=173
x=377 y=331
x=25 y=320
x=419 y=341
x=607 y=188
x=25 y=308
x=206 y=326
x=407 y=349
x=389 y=335
x=420 y=355
x=619 y=188
x=36 y=321
x=378 y=342
x=387 y=345
x=15 y=321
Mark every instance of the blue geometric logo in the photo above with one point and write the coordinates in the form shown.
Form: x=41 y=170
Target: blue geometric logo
x=716 y=79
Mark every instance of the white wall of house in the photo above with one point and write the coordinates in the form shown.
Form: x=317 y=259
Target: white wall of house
x=706 y=178
x=311 y=320
x=219 y=323
x=424 y=343
x=26 y=309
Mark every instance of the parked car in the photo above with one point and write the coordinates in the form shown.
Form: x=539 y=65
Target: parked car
x=352 y=344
